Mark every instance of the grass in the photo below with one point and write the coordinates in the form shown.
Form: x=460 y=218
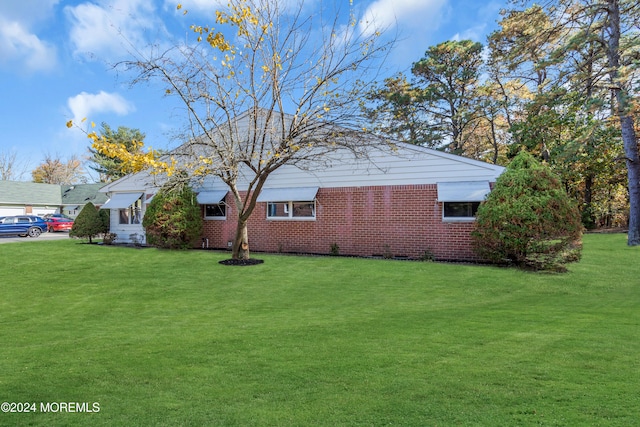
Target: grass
x=173 y=338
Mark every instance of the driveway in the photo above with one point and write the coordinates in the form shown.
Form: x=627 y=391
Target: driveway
x=44 y=236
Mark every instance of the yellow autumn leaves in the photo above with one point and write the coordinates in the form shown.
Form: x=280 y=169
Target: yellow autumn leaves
x=133 y=159
x=241 y=16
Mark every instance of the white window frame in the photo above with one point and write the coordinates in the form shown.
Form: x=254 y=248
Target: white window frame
x=289 y=210
x=217 y=218
x=133 y=212
x=446 y=218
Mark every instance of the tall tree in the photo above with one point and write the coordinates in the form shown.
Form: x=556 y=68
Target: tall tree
x=278 y=59
x=54 y=170
x=112 y=167
x=595 y=46
x=395 y=110
x=449 y=75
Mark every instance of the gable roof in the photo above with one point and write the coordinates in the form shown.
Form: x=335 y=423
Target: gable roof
x=29 y=193
x=80 y=194
x=373 y=162
x=32 y=193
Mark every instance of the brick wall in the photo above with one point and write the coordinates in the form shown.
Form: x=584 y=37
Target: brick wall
x=395 y=221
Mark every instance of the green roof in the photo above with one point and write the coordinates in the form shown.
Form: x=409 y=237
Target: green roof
x=80 y=194
x=34 y=194
x=29 y=193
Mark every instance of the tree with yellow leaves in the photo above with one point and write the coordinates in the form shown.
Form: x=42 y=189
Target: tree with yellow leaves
x=297 y=79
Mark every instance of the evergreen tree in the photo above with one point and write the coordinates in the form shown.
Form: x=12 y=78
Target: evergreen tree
x=111 y=168
x=173 y=219
x=528 y=219
x=88 y=223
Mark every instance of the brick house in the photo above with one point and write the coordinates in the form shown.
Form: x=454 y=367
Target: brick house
x=408 y=202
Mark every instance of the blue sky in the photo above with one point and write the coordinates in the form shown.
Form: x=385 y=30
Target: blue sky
x=57 y=56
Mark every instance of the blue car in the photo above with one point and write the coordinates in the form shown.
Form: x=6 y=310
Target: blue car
x=22 y=225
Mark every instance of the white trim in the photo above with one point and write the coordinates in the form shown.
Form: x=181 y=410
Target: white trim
x=457 y=218
x=288 y=209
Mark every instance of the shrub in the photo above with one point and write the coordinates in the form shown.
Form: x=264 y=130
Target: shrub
x=109 y=238
x=173 y=219
x=528 y=219
x=105 y=216
x=88 y=223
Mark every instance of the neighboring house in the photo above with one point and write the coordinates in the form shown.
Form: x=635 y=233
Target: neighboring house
x=411 y=202
x=74 y=197
x=19 y=198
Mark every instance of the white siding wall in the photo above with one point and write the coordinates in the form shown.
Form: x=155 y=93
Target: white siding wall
x=125 y=231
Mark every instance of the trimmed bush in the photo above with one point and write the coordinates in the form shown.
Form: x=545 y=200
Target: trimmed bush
x=173 y=219
x=89 y=223
x=528 y=220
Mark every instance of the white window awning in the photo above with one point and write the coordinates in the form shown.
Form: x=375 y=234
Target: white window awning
x=463 y=191
x=211 y=197
x=121 y=200
x=300 y=194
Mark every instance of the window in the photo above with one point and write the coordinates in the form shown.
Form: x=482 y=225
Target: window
x=215 y=211
x=460 y=210
x=291 y=210
x=460 y=199
x=132 y=214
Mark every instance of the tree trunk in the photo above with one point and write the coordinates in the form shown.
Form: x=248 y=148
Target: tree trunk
x=629 y=139
x=587 y=205
x=241 y=242
x=633 y=176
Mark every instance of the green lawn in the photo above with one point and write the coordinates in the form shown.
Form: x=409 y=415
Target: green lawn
x=173 y=338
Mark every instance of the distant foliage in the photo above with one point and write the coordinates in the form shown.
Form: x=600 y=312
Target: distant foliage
x=88 y=223
x=528 y=219
x=173 y=219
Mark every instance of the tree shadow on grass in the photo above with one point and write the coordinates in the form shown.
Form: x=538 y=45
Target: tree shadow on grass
x=241 y=262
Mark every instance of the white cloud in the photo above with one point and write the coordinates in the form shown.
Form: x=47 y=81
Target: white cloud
x=410 y=14
x=112 y=29
x=20 y=47
x=476 y=34
x=87 y=105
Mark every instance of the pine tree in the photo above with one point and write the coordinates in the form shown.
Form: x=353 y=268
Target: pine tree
x=88 y=223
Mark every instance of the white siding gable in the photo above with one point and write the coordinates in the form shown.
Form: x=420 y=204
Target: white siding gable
x=405 y=165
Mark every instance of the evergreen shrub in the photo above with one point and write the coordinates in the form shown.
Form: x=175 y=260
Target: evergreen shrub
x=88 y=224
x=173 y=219
x=528 y=220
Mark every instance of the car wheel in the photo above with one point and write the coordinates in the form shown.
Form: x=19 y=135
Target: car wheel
x=51 y=230
x=34 y=232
